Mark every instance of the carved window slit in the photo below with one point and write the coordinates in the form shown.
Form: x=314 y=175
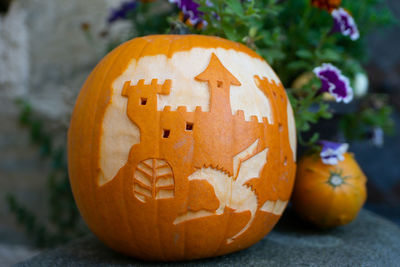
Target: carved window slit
x=146 y=166
x=165 y=176
x=219 y=84
x=166 y=133
x=142 y=191
x=163 y=166
x=143 y=170
x=142 y=184
x=189 y=126
x=143 y=101
x=166 y=187
x=280 y=127
x=165 y=182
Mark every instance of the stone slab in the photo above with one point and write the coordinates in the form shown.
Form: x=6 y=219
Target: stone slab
x=11 y=254
x=369 y=241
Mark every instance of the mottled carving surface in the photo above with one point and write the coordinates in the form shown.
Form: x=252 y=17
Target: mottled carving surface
x=197 y=168
x=231 y=191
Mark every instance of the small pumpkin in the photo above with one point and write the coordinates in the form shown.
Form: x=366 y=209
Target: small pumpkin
x=181 y=147
x=328 y=195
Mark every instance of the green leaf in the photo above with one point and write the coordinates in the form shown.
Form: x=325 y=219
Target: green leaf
x=299 y=65
x=230 y=33
x=235 y=6
x=314 y=138
x=330 y=55
x=305 y=54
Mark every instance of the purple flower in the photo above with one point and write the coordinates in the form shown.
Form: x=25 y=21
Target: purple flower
x=332 y=152
x=190 y=11
x=344 y=23
x=122 y=11
x=334 y=82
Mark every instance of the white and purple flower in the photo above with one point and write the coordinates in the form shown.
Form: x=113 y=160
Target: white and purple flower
x=122 y=11
x=190 y=11
x=344 y=23
x=334 y=82
x=377 y=136
x=332 y=152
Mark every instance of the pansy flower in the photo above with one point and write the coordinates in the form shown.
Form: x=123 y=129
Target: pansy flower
x=332 y=153
x=345 y=24
x=328 y=5
x=334 y=82
x=190 y=13
x=122 y=11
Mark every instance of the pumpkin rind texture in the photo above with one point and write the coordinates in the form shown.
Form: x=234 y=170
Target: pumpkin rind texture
x=181 y=147
x=329 y=195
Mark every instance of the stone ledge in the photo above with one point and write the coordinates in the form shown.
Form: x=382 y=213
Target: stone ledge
x=369 y=241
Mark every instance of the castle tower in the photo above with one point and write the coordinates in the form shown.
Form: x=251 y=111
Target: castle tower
x=142 y=105
x=219 y=81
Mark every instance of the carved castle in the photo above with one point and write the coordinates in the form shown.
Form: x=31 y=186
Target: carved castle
x=217 y=128
x=201 y=139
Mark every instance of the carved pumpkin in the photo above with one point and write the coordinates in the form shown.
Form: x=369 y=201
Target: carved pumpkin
x=328 y=195
x=181 y=147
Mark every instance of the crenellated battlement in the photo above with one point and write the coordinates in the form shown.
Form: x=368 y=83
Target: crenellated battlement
x=167 y=109
x=254 y=118
x=182 y=109
x=154 y=87
x=240 y=114
x=198 y=109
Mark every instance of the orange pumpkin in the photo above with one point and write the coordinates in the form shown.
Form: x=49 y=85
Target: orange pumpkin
x=181 y=147
x=328 y=195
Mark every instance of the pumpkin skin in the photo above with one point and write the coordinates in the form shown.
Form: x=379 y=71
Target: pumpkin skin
x=329 y=195
x=181 y=147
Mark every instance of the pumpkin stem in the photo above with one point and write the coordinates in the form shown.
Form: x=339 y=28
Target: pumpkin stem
x=336 y=179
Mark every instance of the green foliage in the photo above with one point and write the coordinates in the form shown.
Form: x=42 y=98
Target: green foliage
x=292 y=35
x=295 y=37
x=373 y=113
x=371 y=14
x=63 y=222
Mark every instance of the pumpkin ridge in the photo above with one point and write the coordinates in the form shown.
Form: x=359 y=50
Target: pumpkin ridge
x=96 y=137
x=126 y=201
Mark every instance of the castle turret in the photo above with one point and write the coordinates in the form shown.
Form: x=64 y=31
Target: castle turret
x=142 y=105
x=219 y=81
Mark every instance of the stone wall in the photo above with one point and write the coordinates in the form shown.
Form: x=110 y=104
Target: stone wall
x=14 y=56
x=44 y=57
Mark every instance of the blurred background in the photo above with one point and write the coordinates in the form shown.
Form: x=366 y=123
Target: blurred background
x=48 y=48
